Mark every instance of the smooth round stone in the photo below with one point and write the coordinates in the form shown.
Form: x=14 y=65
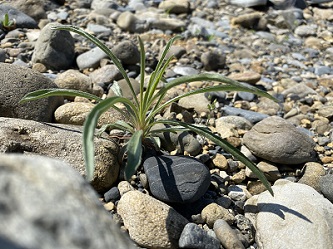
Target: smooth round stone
x=279 y=141
x=176 y=179
x=112 y=195
x=227 y=235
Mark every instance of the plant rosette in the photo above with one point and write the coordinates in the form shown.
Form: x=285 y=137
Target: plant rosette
x=142 y=110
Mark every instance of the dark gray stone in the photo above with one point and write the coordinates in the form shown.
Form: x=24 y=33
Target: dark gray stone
x=326 y=186
x=279 y=141
x=213 y=60
x=32 y=8
x=54 y=205
x=2 y=55
x=112 y=195
x=54 y=48
x=21 y=20
x=253 y=117
x=195 y=237
x=181 y=141
x=15 y=82
x=177 y=179
x=127 y=52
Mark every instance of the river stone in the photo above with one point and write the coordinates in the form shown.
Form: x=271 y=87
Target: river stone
x=150 y=222
x=277 y=140
x=22 y=20
x=312 y=175
x=195 y=237
x=54 y=48
x=299 y=216
x=62 y=142
x=178 y=179
x=326 y=186
x=227 y=235
x=54 y=206
x=15 y=82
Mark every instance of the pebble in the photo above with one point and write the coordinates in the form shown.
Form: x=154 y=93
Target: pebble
x=90 y=59
x=312 y=174
x=74 y=79
x=290 y=146
x=238 y=193
x=271 y=171
x=326 y=186
x=227 y=235
x=176 y=179
x=127 y=52
x=14 y=77
x=112 y=195
x=213 y=60
x=253 y=117
x=150 y=223
x=54 y=49
x=195 y=237
x=211 y=213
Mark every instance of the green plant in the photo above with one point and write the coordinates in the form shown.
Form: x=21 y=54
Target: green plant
x=8 y=24
x=144 y=107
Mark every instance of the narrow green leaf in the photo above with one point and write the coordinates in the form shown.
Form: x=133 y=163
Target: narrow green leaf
x=215 y=78
x=142 y=70
x=119 y=124
x=39 y=94
x=230 y=85
x=227 y=147
x=134 y=154
x=89 y=130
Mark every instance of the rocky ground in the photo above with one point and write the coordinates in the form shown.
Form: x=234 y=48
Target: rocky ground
x=213 y=200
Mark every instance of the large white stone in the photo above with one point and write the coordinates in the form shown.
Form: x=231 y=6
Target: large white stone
x=296 y=217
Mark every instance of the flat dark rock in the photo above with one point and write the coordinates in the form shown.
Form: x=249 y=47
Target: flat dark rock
x=176 y=179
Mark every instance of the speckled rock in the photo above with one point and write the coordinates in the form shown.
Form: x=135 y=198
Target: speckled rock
x=15 y=82
x=74 y=79
x=150 y=223
x=177 y=179
x=62 y=142
x=33 y=187
x=198 y=102
x=277 y=140
x=227 y=235
x=312 y=174
x=213 y=212
x=75 y=113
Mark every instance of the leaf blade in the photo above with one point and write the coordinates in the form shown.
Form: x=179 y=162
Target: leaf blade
x=134 y=154
x=89 y=131
x=44 y=93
